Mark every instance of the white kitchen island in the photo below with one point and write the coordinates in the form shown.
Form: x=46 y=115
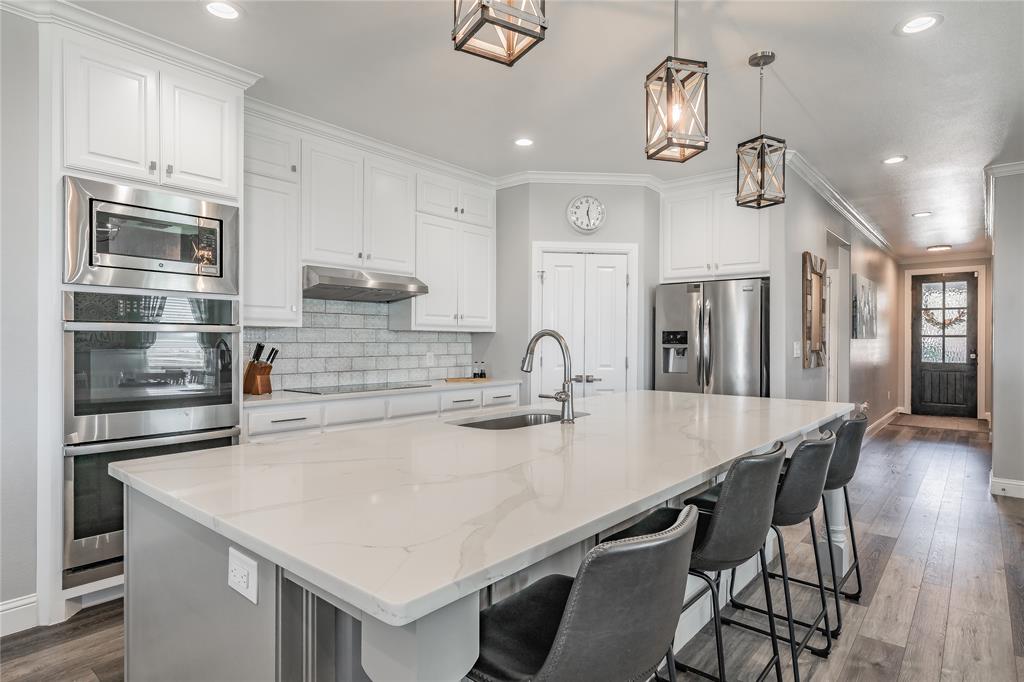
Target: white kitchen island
x=399 y=528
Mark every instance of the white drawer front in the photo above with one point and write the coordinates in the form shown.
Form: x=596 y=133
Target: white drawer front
x=501 y=395
x=284 y=419
x=460 y=400
x=352 y=411
x=409 y=405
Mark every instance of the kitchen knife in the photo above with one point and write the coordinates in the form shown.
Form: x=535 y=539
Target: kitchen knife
x=257 y=352
x=272 y=355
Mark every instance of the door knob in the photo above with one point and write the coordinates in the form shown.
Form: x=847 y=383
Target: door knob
x=591 y=379
x=170 y=169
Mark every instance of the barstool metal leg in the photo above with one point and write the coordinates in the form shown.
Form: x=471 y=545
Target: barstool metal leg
x=855 y=596
x=716 y=619
x=827 y=630
x=836 y=585
x=771 y=619
x=794 y=650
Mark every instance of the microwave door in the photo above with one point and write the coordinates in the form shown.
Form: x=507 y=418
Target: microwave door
x=678 y=360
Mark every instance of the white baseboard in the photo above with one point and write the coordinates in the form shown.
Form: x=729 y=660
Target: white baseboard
x=18 y=614
x=1007 y=487
x=881 y=423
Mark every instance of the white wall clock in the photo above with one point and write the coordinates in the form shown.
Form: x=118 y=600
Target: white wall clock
x=585 y=213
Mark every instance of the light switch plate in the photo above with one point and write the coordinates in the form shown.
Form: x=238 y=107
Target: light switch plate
x=796 y=349
x=242 y=575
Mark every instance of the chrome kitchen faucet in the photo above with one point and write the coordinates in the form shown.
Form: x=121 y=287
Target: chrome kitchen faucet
x=565 y=395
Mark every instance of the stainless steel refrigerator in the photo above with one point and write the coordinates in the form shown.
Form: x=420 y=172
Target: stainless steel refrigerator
x=712 y=337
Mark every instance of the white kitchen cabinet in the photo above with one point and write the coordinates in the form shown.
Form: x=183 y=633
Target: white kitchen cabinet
x=457 y=262
x=705 y=235
x=476 y=278
x=332 y=204
x=134 y=117
x=447 y=197
x=271 y=287
x=686 y=239
x=389 y=226
x=271 y=150
x=111 y=112
x=199 y=133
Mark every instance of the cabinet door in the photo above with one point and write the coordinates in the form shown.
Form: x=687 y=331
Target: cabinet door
x=332 y=204
x=271 y=150
x=686 y=243
x=476 y=278
x=476 y=205
x=111 y=116
x=437 y=265
x=200 y=122
x=437 y=195
x=740 y=236
x=390 y=225
x=270 y=228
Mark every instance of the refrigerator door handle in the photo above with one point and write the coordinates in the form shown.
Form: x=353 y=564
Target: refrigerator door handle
x=708 y=359
x=700 y=345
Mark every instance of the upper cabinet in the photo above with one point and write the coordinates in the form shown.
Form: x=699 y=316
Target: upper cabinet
x=704 y=235
x=134 y=117
x=389 y=225
x=332 y=204
x=449 y=198
x=271 y=150
x=271 y=286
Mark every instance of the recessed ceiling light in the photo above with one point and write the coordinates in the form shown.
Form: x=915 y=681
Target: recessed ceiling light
x=899 y=158
x=940 y=247
x=921 y=214
x=524 y=142
x=222 y=10
x=919 y=23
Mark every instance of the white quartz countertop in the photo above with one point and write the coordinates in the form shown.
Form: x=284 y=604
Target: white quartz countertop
x=283 y=397
x=401 y=520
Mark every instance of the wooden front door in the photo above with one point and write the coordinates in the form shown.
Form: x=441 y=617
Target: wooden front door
x=944 y=345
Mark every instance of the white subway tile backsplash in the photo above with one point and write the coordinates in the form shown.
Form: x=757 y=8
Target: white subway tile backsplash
x=348 y=342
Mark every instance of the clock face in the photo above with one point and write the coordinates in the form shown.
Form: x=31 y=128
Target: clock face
x=585 y=213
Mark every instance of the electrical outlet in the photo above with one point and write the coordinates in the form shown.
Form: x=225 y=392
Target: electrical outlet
x=796 y=349
x=242 y=575
x=888 y=395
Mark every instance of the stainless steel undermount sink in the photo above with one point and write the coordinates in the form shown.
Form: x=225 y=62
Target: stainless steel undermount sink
x=513 y=421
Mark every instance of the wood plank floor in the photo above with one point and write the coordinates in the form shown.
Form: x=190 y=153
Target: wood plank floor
x=943 y=565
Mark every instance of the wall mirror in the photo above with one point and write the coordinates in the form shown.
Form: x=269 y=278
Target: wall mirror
x=813 y=310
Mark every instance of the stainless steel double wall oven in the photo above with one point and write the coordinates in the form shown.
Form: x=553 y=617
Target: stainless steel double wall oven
x=146 y=373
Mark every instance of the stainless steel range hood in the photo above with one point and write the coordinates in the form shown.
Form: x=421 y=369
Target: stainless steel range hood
x=341 y=284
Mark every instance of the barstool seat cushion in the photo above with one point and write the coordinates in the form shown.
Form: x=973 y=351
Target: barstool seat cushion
x=517 y=632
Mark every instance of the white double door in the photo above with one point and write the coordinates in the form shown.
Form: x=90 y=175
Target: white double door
x=583 y=297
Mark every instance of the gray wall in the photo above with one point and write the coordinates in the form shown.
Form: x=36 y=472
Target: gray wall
x=346 y=343
x=802 y=224
x=1008 y=328
x=534 y=212
x=18 y=320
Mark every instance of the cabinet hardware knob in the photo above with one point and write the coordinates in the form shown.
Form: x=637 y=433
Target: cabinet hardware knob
x=294 y=168
x=455 y=316
x=359 y=255
x=170 y=169
x=152 y=167
x=709 y=266
x=455 y=208
x=462 y=210
x=465 y=400
x=293 y=419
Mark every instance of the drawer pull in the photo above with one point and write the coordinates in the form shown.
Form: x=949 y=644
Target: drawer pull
x=497 y=397
x=290 y=419
x=464 y=400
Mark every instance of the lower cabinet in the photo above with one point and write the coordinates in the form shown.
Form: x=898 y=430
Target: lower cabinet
x=277 y=420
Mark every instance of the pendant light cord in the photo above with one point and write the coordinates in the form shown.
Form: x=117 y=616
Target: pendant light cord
x=675 y=29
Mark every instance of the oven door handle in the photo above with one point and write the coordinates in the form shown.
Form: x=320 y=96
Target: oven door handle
x=135 y=443
x=142 y=327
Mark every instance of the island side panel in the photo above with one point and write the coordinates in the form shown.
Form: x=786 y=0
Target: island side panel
x=182 y=621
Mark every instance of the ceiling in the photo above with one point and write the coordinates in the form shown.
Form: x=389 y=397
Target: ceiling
x=845 y=91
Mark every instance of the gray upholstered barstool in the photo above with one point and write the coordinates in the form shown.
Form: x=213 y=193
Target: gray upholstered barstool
x=797 y=498
x=615 y=621
x=730 y=533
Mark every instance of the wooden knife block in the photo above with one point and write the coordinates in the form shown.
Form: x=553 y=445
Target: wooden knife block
x=256 y=378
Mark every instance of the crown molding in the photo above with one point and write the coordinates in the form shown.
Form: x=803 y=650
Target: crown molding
x=992 y=172
x=314 y=126
x=68 y=15
x=944 y=257
x=1000 y=169
x=686 y=183
x=571 y=178
x=824 y=187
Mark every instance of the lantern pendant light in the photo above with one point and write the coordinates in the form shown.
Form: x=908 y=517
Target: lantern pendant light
x=677 y=105
x=761 y=161
x=499 y=30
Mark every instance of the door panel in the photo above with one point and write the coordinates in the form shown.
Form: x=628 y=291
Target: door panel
x=741 y=243
x=111 y=117
x=199 y=133
x=605 y=341
x=437 y=242
x=563 y=310
x=390 y=204
x=272 y=272
x=944 y=346
x=686 y=237
x=332 y=204
x=476 y=278
x=678 y=346
x=732 y=328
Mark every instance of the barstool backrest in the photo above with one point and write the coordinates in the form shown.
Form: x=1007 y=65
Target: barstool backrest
x=622 y=612
x=743 y=514
x=846 y=455
x=804 y=481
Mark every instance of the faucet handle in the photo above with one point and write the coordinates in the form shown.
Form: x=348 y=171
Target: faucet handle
x=560 y=396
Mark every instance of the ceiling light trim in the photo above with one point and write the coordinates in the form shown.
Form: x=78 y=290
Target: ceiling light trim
x=824 y=187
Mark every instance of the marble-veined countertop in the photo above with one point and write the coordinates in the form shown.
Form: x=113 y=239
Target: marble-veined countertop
x=400 y=520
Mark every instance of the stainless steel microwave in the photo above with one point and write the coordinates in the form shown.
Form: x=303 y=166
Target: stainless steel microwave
x=122 y=236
